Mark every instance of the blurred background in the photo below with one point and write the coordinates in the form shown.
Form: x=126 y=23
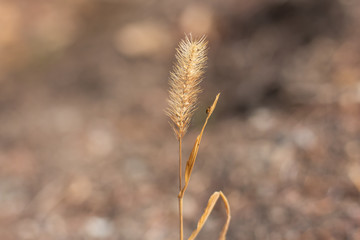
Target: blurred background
x=86 y=151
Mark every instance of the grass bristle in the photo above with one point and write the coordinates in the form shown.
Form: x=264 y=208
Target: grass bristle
x=184 y=82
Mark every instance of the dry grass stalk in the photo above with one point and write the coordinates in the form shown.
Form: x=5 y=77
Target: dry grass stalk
x=183 y=95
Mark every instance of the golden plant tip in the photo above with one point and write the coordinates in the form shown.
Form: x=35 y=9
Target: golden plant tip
x=212 y=107
x=184 y=82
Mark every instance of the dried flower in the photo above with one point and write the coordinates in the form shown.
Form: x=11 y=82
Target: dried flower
x=184 y=83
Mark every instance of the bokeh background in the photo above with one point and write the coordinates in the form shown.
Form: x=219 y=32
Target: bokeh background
x=86 y=151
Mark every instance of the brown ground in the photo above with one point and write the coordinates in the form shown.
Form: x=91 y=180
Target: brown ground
x=86 y=151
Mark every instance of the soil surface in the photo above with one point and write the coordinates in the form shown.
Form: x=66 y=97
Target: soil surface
x=86 y=151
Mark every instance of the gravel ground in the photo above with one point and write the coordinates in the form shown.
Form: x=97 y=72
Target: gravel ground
x=86 y=151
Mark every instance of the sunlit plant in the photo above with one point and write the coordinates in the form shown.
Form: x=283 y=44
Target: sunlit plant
x=183 y=97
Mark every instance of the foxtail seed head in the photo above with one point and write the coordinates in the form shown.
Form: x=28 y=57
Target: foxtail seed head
x=184 y=83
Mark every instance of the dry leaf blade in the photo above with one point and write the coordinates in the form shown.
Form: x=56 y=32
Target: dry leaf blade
x=210 y=206
x=191 y=161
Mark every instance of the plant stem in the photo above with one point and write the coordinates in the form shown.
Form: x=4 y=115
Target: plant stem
x=181 y=217
x=180 y=196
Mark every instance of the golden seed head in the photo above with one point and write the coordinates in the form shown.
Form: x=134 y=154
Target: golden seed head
x=184 y=82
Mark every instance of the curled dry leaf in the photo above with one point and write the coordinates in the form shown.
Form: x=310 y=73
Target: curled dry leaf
x=210 y=206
